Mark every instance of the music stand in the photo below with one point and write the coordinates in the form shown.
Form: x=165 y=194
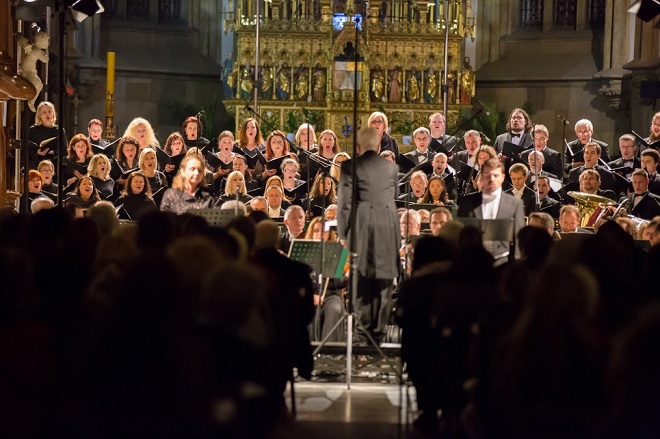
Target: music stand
x=309 y=252
x=215 y=216
x=494 y=230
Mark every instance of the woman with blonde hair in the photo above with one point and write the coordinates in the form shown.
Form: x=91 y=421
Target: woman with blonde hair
x=99 y=169
x=141 y=130
x=337 y=160
x=44 y=130
x=236 y=186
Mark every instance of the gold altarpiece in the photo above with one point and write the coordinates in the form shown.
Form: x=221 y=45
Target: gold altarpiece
x=307 y=63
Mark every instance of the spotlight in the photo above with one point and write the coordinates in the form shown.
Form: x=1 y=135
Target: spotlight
x=82 y=9
x=646 y=10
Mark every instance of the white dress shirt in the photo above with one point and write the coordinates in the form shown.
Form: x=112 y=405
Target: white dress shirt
x=490 y=204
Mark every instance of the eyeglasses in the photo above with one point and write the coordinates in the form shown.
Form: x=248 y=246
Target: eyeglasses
x=540 y=139
x=377 y=122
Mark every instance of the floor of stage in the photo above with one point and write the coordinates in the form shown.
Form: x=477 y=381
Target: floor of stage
x=373 y=407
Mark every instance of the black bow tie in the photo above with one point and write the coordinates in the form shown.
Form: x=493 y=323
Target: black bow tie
x=628 y=160
x=515 y=135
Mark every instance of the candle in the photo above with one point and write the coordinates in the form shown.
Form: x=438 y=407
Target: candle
x=110 y=74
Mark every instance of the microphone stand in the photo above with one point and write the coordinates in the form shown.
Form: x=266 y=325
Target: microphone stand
x=238 y=188
x=564 y=123
x=536 y=187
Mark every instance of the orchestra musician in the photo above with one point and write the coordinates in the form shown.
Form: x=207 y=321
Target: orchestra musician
x=518 y=175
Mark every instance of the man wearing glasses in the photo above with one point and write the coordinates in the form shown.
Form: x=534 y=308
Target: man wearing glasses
x=552 y=158
x=584 y=129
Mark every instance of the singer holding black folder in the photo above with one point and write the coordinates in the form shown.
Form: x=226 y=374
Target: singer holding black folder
x=42 y=136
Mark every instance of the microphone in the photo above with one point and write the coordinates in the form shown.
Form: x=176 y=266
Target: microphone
x=564 y=121
x=248 y=108
x=201 y=113
x=484 y=137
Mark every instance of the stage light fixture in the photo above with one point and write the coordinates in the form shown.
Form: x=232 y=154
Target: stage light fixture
x=82 y=9
x=646 y=10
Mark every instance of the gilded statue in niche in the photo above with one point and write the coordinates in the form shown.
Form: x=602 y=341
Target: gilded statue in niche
x=412 y=86
x=247 y=82
x=377 y=84
x=431 y=87
x=283 y=82
x=302 y=83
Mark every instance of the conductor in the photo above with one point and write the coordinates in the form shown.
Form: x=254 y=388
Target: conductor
x=377 y=237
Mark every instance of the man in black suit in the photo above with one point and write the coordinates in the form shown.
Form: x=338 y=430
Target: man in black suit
x=377 y=234
x=294 y=220
x=517 y=131
x=440 y=141
x=641 y=203
x=447 y=173
x=274 y=195
x=421 y=153
x=463 y=161
x=590 y=184
x=535 y=161
x=569 y=220
x=592 y=156
x=518 y=175
x=650 y=159
x=493 y=203
x=551 y=158
x=548 y=204
x=628 y=160
x=584 y=130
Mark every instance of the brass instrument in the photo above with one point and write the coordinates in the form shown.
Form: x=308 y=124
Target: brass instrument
x=591 y=207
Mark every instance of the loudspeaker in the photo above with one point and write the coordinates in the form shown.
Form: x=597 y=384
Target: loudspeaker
x=649 y=90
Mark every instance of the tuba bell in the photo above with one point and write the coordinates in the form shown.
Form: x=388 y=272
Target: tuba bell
x=591 y=207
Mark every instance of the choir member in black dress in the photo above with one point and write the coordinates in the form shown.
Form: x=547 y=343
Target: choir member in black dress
x=77 y=159
x=84 y=195
x=148 y=164
x=99 y=170
x=192 y=130
x=135 y=200
x=174 y=146
x=235 y=188
x=125 y=160
x=322 y=194
x=44 y=130
x=47 y=170
x=225 y=156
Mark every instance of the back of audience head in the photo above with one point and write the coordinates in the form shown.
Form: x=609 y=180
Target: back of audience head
x=41 y=203
x=104 y=215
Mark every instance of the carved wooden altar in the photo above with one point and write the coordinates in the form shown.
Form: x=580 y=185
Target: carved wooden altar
x=307 y=63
